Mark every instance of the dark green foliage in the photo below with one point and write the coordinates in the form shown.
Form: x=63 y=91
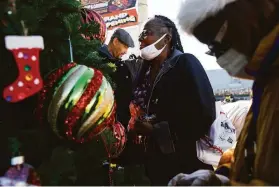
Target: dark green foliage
x=14 y=146
x=57 y=162
x=56 y=21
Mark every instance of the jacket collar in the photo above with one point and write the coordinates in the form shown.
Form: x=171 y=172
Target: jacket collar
x=169 y=63
x=104 y=52
x=262 y=50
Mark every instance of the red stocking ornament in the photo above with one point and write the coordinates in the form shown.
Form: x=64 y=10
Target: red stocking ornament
x=26 y=53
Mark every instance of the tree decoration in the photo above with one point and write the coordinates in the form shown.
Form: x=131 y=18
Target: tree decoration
x=90 y=16
x=78 y=102
x=55 y=21
x=20 y=174
x=114 y=138
x=26 y=53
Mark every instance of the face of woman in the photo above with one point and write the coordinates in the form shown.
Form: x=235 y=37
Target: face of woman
x=152 y=32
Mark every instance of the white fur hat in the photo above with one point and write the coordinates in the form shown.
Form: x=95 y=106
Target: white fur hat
x=193 y=12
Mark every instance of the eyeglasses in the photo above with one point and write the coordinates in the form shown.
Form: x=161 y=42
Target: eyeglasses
x=145 y=33
x=216 y=49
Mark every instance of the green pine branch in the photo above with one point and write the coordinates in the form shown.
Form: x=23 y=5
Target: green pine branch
x=55 y=20
x=14 y=145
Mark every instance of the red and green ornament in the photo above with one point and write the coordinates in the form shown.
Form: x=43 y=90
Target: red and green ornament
x=78 y=102
x=114 y=138
x=89 y=16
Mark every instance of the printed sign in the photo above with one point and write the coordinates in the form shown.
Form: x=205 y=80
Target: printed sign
x=109 y=6
x=123 y=18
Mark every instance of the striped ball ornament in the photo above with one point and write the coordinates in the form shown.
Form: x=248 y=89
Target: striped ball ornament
x=78 y=102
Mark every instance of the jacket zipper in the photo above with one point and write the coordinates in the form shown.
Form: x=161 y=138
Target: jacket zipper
x=158 y=78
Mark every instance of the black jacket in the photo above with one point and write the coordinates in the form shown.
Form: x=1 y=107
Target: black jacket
x=183 y=101
x=123 y=80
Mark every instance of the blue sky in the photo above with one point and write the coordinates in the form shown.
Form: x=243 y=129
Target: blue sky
x=190 y=44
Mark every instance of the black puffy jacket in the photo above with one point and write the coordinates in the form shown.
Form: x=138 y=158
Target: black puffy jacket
x=123 y=80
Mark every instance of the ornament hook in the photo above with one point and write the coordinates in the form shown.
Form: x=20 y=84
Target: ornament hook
x=71 y=50
x=25 y=30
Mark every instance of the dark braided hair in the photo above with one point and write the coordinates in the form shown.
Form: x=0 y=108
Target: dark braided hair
x=175 y=42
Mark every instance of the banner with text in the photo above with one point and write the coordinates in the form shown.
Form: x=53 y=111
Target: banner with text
x=120 y=19
x=109 y=6
x=116 y=13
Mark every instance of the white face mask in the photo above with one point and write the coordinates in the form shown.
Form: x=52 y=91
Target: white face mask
x=150 y=52
x=233 y=62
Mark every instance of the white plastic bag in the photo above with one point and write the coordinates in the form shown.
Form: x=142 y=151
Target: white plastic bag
x=237 y=113
x=222 y=136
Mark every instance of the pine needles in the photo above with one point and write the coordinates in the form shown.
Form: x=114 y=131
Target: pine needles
x=56 y=20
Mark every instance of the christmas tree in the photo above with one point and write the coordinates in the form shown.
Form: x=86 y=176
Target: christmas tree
x=59 y=23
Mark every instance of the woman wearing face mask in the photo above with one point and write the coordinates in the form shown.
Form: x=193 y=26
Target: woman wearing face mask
x=174 y=102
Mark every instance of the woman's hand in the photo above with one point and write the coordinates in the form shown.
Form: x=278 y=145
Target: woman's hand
x=143 y=127
x=227 y=157
x=136 y=112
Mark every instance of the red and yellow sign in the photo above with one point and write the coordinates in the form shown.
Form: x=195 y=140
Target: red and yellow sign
x=116 y=13
x=124 y=18
x=109 y=6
